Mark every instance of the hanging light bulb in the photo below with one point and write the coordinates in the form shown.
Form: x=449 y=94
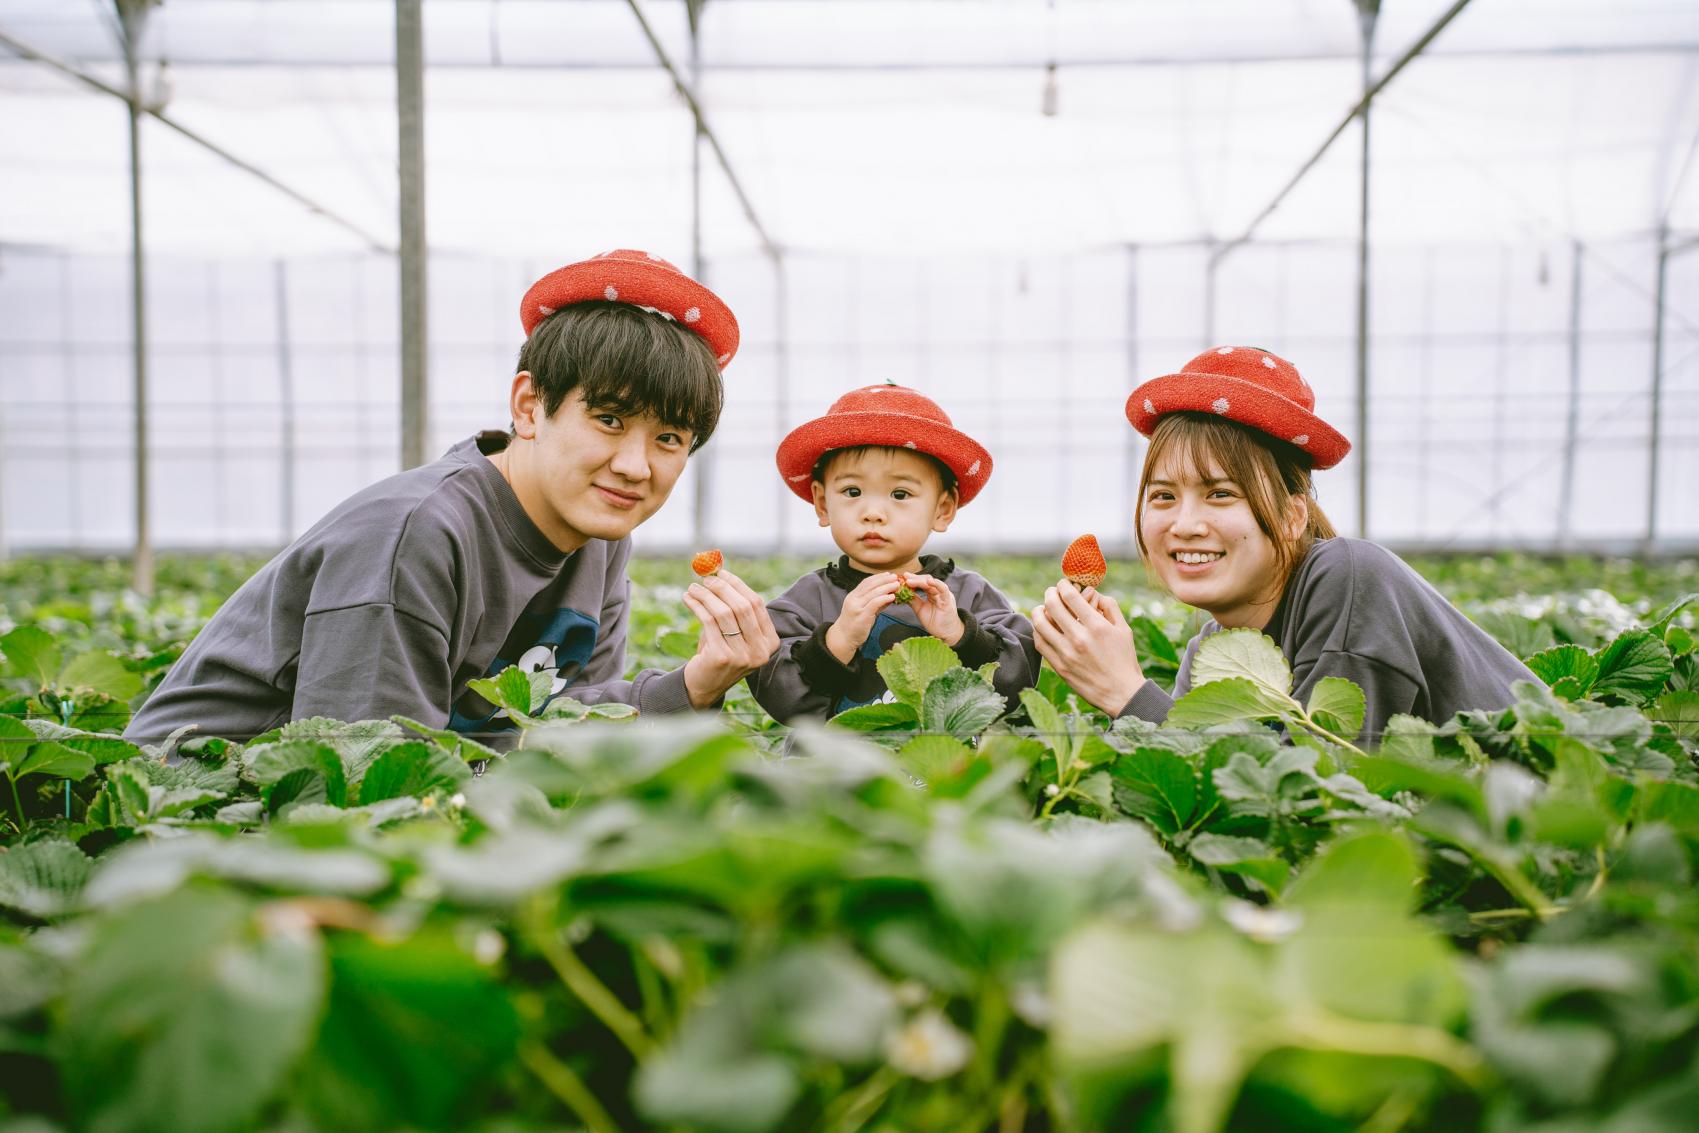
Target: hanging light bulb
x=163 y=87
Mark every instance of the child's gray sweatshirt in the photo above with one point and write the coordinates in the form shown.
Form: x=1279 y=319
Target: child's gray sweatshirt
x=805 y=679
x=396 y=599
x=1354 y=609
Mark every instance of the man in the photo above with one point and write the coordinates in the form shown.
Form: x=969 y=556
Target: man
x=510 y=549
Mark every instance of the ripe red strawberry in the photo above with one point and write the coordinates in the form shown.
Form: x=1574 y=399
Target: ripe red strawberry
x=707 y=562
x=1082 y=562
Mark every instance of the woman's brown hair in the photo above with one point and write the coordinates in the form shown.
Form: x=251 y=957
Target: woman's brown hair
x=1269 y=470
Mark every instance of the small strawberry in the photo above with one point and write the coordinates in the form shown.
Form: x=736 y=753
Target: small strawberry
x=904 y=594
x=707 y=563
x=1082 y=562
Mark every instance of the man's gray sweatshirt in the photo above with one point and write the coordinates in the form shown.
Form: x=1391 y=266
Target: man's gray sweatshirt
x=1353 y=609
x=804 y=678
x=396 y=599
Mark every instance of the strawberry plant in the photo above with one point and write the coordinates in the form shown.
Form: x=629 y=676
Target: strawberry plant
x=935 y=914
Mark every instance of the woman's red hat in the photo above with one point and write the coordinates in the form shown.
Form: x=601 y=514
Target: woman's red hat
x=642 y=279
x=1245 y=384
x=890 y=415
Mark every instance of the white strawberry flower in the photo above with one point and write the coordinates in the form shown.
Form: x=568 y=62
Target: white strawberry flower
x=928 y=1047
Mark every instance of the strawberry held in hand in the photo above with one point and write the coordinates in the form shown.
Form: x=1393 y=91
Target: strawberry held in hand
x=1082 y=563
x=707 y=563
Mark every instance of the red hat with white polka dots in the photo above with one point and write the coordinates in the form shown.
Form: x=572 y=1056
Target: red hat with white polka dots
x=890 y=415
x=642 y=279
x=1245 y=384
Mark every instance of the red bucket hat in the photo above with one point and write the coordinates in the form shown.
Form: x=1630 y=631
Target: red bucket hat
x=1245 y=384
x=890 y=415
x=643 y=280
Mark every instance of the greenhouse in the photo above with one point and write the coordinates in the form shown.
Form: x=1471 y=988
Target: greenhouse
x=923 y=565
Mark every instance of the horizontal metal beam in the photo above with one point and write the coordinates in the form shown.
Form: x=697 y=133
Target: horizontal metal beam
x=941 y=66
x=98 y=84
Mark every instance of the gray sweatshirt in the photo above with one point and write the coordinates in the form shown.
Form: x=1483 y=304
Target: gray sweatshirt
x=805 y=679
x=395 y=600
x=1354 y=609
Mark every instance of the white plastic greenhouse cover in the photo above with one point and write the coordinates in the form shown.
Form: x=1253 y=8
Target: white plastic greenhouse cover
x=898 y=152
x=874 y=125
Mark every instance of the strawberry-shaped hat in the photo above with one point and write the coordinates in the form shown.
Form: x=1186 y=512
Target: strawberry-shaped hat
x=642 y=279
x=1245 y=384
x=890 y=415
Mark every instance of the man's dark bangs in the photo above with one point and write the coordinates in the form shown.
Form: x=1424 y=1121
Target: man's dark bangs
x=629 y=361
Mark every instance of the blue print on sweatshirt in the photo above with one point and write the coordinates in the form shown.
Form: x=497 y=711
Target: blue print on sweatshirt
x=888 y=630
x=563 y=640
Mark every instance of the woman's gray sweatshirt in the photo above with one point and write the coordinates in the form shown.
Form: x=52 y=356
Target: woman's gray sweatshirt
x=1353 y=609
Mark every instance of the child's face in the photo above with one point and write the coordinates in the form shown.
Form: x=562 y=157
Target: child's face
x=1205 y=545
x=881 y=505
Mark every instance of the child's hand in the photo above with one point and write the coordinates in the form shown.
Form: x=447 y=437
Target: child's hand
x=861 y=609
x=935 y=607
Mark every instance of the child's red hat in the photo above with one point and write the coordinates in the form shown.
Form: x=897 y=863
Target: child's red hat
x=1245 y=384
x=889 y=415
x=642 y=279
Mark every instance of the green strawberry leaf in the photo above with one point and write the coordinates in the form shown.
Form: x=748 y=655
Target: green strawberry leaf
x=33 y=653
x=1633 y=668
x=1338 y=705
x=1565 y=663
x=1227 y=700
x=1246 y=653
x=911 y=665
x=959 y=704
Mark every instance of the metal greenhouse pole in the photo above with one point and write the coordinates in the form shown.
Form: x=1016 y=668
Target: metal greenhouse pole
x=1657 y=387
x=410 y=123
x=704 y=134
x=132 y=15
x=1572 y=417
x=1368 y=11
x=704 y=486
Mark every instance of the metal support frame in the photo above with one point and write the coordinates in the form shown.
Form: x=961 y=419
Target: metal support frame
x=1572 y=415
x=415 y=334
x=1368 y=11
x=158 y=114
x=286 y=408
x=1362 y=105
x=1134 y=457
x=688 y=92
x=704 y=135
x=132 y=16
x=701 y=520
x=1655 y=445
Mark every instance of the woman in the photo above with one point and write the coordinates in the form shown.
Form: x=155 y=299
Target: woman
x=1228 y=521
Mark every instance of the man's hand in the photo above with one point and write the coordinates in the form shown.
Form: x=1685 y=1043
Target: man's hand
x=737 y=636
x=935 y=607
x=1087 y=641
x=860 y=610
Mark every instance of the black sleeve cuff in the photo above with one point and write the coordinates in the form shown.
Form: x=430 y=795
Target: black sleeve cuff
x=821 y=672
x=978 y=645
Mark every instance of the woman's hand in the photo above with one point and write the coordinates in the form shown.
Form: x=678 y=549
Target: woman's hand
x=935 y=608
x=1087 y=641
x=860 y=610
x=737 y=636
